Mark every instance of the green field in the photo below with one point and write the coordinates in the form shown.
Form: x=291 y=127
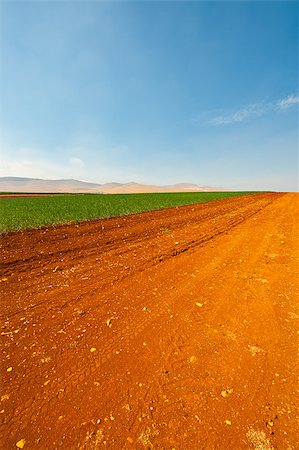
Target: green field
x=33 y=212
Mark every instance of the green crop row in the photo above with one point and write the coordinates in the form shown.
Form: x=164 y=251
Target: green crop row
x=33 y=212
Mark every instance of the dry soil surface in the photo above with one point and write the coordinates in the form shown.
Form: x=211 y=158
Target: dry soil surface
x=173 y=329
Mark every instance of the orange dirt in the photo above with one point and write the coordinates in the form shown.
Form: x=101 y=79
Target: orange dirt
x=173 y=329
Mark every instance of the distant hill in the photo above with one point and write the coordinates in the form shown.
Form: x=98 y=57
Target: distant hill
x=37 y=185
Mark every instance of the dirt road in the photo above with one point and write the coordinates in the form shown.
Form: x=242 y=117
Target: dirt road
x=175 y=329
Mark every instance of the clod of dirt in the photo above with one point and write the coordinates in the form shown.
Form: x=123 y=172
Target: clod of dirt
x=226 y=392
x=146 y=436
x=21 y=443
x=254 y=349
x=192 y=359
x=127 y=407
x=46 y=359
x=79 y=312
x=94 y=437
x=258 y=439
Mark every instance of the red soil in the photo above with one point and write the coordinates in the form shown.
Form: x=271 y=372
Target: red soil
x=173 y=329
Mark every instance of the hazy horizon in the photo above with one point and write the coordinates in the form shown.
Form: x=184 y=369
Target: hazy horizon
x=151 y=92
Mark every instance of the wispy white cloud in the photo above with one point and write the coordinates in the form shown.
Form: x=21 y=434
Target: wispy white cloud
x=76 y=161
x=287 y=102
x=246 y=112
x=256 y=109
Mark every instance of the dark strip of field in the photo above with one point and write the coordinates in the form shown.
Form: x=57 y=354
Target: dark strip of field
x=34 y=194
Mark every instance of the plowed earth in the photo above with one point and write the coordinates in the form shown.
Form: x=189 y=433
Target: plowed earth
x=174 y=329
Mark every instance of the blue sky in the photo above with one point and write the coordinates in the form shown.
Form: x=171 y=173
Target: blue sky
x=151 y=92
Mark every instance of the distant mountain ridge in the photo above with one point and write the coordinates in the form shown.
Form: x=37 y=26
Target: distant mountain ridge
x=42 y=186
